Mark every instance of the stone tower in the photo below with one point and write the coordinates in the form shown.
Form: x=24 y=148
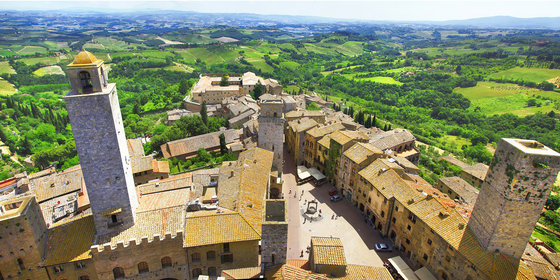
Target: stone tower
x=95 y=116
x=274 y=238
x=271 y=129
x=513 y=195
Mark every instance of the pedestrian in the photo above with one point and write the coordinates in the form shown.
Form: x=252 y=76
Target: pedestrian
x=305 y=202
x=290 y=191
x=301 y=256
x=304 y=219
x=311 y=219
x=301 y=192
x=294 y=195
x=332 y=218
x=320 y=211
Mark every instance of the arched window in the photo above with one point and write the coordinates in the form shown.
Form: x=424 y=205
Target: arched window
x=211 y=255
x=85 y=80
x=196 y=272
x=143 y=267
x=165 y=262
x=212 y=271
x=118 y=272
x=275 y=115
x=195 y=257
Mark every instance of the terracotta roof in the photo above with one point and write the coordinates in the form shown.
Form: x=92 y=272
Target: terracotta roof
x=325 y=141
x=356 y=272
x=327 y=251
x=192 y=144
x=166 y=199
x=454 y=161
x=390 y=184
x=303 y=124
x=210 y=227
x=135 y=147
x=57 y=183
x=245 y=191
x=407 y=164
x=320 y=131
x=175 y=182
x=359 y=152
x=304 y=113
x=462 y=188
x=379 y=166
x=478 y=170
x=242 y=273
x=389 y=139
x=495 y=266
x=340 y=138
x=290 y=272
x=149 y=223
x=70 y=241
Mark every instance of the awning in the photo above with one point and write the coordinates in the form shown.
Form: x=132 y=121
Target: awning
x=303 y=172
x=316 y=173
x=402 y=268
x=424 y=274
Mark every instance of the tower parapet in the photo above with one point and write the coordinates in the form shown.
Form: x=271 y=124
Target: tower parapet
x=513 y=195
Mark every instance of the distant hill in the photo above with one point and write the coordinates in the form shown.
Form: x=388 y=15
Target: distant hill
x=502 y=22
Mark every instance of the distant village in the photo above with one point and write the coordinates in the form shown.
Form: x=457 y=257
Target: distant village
x=121 y=214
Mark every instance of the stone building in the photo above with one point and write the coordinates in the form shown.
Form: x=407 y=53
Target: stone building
x=94 y=113
x=317 y=116
x=340 y=141
x=475 y=174
x=398 y=142
x=295 y=137
x=188 y=147
x=458 y=188
x=271 y=129
x=274 y=233
x=312 y=136
x=145 y=168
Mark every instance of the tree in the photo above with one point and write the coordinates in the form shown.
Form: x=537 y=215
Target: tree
x=204 y=113
x=458 y=70
x=184 y=86
x=224 y=82
x=257 y=91
x=553 y=202
x=223 y=148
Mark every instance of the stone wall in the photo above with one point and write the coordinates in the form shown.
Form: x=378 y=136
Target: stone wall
x=513 y=195
x=274 y=239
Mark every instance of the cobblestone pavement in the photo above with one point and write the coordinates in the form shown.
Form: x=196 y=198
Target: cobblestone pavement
x=357 y=237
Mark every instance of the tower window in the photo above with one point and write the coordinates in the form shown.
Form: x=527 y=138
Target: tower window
x=527 y=196
x=85 y=80
x=20 y=263
x=114 y=219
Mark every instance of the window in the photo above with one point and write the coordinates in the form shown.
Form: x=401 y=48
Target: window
x=227 y=258
x=58 y=268
x=196 y=272
x=114 y=219
x=195 y=257
x=165 y=262
x=407 y=241
x=85 y=80
x=382 y=214
x=369 y=200
x=80 y=265
x=425 y=257
x=226 y=247
x=396 y=208
x=212 y=271
x=394 y=220
x=143 y=267
x=385 y=201
x=429 y=241
x=118 y=272
x=20 y=263
x=84 y=277
x=408 y=227
x=211 y=255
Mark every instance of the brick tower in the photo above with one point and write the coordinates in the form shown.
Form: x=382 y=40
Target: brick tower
x=93 y=109
x=513 y=195
x=271 y=129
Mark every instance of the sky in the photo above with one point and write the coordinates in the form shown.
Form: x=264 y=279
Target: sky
x=396 y=10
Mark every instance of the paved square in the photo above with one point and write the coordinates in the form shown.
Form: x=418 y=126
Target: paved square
x=357 y=236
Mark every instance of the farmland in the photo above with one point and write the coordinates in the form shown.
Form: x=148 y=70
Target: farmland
x=536 y=75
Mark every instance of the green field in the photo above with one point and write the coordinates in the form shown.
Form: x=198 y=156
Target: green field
x=49 y=70
x=495 y=98
x=31 y=50
x=6 y=88
x=47 y=60
x=5 y=68
x=381 y=80
x=536 y=75
x=546 y=237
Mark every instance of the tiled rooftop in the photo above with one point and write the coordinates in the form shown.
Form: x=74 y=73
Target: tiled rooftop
x=210 y=227
x=392 y=138
x=390 y=184
x=320 y=131
x=462 y=188
x=70 y=241
x=241 y=273
x=359 y=152
x=176 y=182
x=379 y=166
x=327 y=251
x=477 y=170
x=192 y=144
x=57 y=183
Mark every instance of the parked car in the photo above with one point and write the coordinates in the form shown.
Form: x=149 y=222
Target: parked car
x=333 y=191
x=383 y=247
x=336 y=197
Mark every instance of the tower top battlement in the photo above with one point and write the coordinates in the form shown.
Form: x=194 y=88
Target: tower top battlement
x=531 y=147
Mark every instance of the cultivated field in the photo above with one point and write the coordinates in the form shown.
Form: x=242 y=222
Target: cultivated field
x=536 y=75
x=5 y=68
x=6 y=88
x=49 y=70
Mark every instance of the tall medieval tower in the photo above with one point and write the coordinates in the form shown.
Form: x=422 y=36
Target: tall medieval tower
x=271 y=130
x=93 y=109
x=513 y=195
